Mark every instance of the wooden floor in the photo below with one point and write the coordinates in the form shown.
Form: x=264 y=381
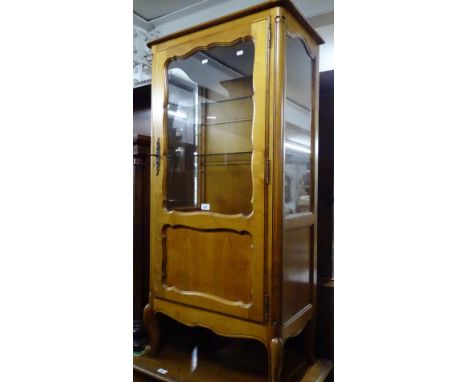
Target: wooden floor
x=198 y=355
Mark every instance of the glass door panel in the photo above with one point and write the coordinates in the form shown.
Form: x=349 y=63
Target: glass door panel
x=209 y=114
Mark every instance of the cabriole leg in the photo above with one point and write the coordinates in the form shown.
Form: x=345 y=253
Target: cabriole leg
x=275 y=359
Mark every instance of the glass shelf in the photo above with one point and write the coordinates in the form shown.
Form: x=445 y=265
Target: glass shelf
x=230 y=122
x=217 y=154
x=213 y=102
x=243 y=157
x=240 y=158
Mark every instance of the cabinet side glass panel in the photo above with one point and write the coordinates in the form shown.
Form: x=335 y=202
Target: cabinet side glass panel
x=297 y=177
x=297 y=128
x=209 y=114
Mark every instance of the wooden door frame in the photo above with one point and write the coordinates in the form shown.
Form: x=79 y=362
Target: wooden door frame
x=255 y=27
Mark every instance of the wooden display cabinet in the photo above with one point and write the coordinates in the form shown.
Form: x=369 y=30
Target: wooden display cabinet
x=233 y=178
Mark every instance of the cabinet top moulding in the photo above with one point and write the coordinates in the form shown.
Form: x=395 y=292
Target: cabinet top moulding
x=287 y=4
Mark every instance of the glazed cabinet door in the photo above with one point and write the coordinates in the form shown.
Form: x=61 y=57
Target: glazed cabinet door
x=299 y=173
x=208 y=179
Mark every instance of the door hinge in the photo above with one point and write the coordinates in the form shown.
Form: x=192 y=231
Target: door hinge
x=267 y=171
x=158 y=156
x=269 y=36
x=266 y=306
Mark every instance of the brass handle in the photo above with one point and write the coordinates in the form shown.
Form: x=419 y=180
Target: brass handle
x=158 y=156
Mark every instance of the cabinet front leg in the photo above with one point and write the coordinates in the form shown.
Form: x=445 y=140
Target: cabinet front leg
x=275 y=359
x=152 y=328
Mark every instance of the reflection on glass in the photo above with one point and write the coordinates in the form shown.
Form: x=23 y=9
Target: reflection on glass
x=297 y=229
x=297 y=129
x=209 y=130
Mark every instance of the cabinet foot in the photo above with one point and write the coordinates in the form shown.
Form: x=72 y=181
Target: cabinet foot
x=275 y=359
x=152 y=328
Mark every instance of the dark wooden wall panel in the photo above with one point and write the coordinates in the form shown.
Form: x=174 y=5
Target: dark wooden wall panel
x=141 y=193
x=325 y=176
x=324 y=343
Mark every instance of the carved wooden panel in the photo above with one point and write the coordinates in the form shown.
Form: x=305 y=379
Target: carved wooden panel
x=216 y=264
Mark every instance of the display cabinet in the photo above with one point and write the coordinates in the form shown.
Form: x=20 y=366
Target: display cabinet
x=233 y=178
